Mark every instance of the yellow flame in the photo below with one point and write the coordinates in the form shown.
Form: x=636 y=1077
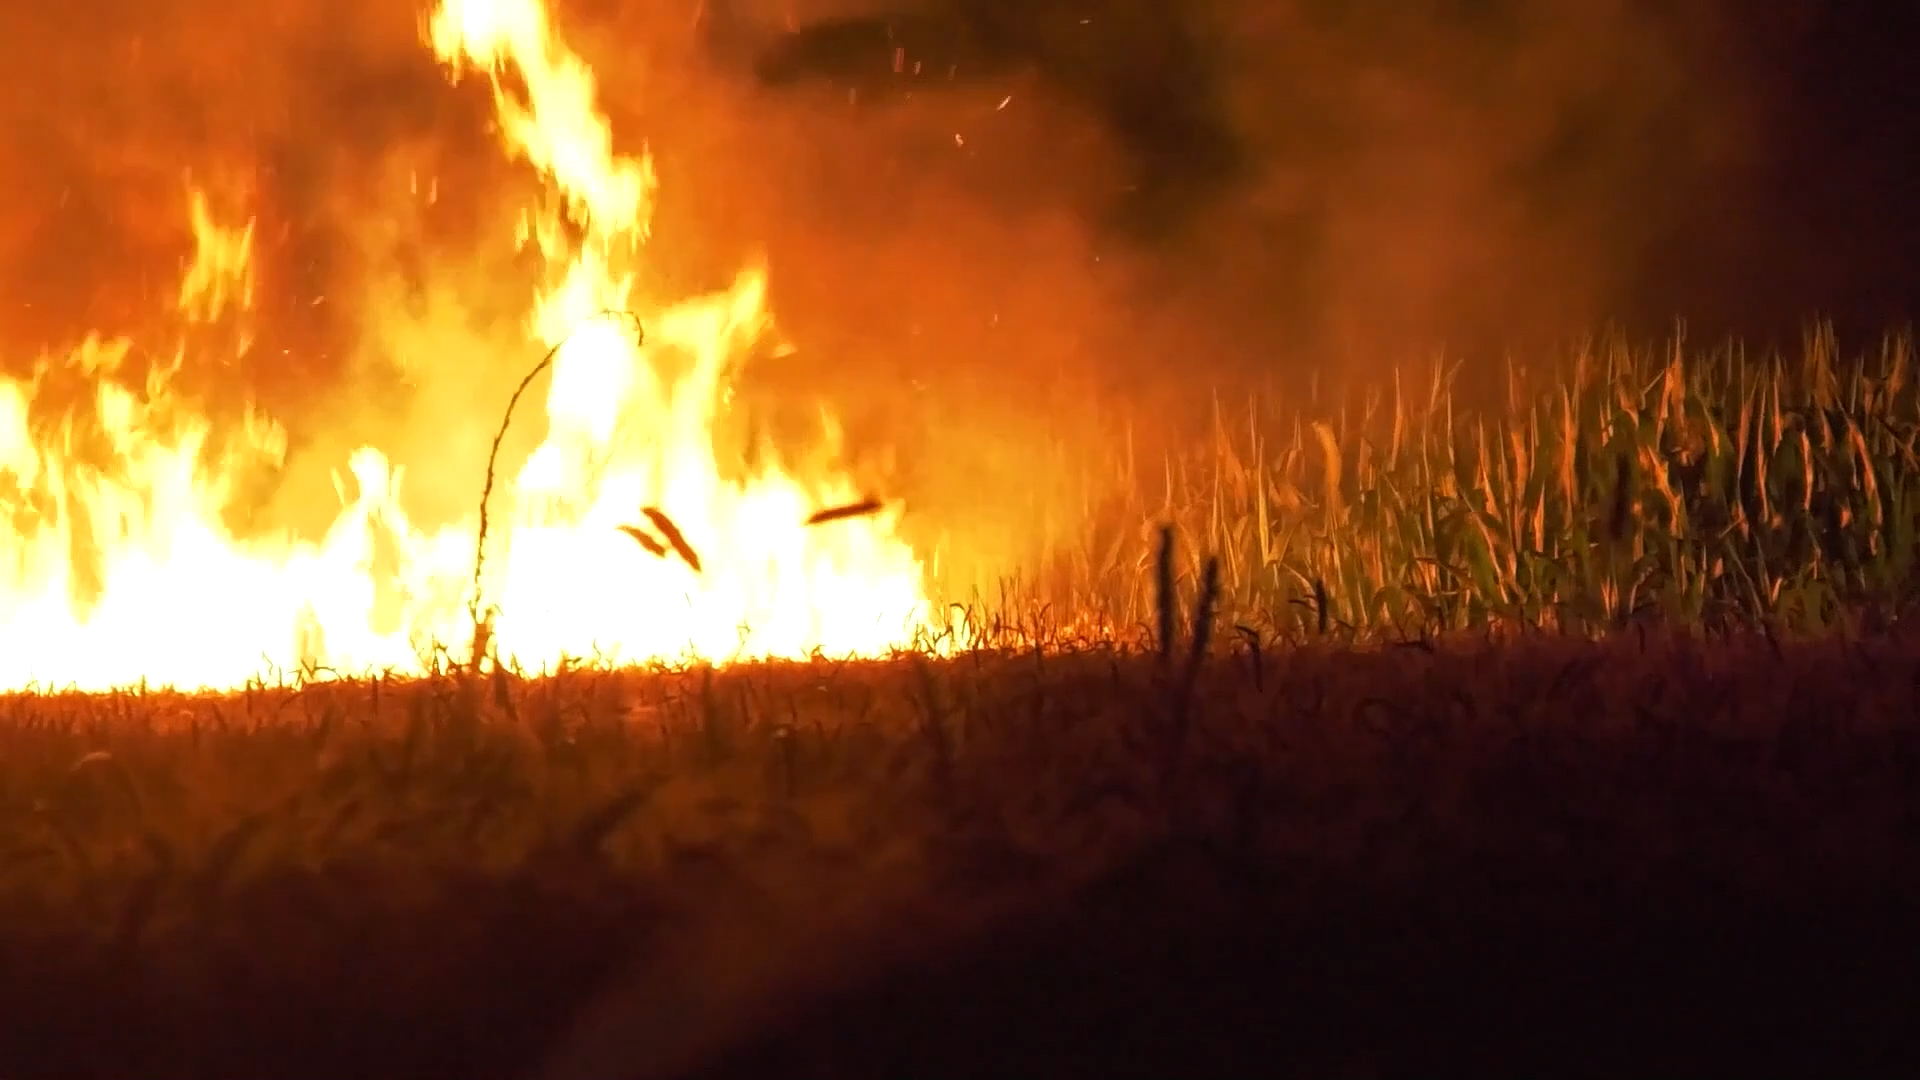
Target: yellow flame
x=221 y=274
x=122 y=572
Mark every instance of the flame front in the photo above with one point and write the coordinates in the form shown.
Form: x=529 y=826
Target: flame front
x=123 y=572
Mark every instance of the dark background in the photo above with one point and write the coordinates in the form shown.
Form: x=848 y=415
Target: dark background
x=1403 y=177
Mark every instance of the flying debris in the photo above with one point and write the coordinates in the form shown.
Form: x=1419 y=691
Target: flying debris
x=675 y=539
x=645 y=539
x=864 y=508
x=654 y=546
x=904 y=48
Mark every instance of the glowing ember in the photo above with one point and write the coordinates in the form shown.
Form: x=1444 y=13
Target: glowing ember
x=122 y=571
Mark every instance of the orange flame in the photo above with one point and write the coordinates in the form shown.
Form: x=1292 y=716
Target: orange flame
x=123 y=573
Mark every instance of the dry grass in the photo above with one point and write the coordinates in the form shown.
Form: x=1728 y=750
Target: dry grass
x=1626 y=485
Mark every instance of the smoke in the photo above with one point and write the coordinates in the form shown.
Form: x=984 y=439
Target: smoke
x=1472 y=175
x=1230 y=185
x=1137 y=200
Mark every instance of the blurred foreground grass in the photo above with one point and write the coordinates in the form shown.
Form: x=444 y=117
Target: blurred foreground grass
x=435 y=877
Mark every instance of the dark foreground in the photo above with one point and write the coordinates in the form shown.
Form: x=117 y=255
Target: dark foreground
x=1541 y=857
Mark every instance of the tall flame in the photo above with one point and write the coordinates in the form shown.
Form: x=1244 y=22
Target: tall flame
x=122 y=571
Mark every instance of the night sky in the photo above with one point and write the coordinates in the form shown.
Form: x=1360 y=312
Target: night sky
x=1835 y=226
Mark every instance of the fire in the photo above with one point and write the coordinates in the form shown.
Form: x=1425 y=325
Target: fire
x=221 y=275
x=123 y=573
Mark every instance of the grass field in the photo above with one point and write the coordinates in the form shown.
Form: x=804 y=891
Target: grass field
x=1617 y=484
x=1582 y=736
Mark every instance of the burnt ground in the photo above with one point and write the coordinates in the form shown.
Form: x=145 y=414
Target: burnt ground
x=1538 y=857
